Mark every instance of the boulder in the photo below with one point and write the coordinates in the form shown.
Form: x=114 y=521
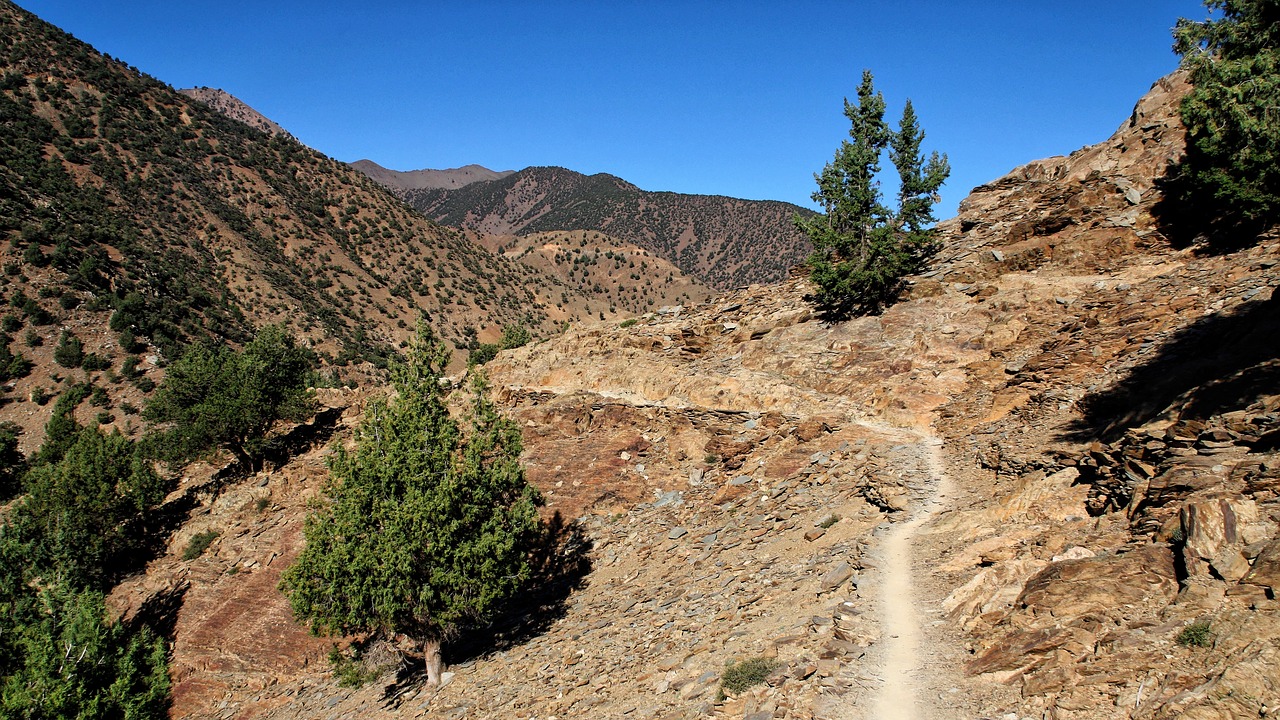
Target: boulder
x=1072 y=588
x=1266 y=568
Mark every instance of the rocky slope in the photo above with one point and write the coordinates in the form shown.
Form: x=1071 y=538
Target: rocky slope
x=137 y=220
x=723 y=242
x=1069 y=432
x=234 y=108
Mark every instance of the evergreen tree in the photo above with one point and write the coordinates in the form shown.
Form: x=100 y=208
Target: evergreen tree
x=862 y=249
x=428 y=527
x=1227 y=187
x=65 y=660
x=83 y=515
x=215 y=396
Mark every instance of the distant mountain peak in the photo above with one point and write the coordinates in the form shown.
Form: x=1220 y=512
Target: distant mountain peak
x=450 y=179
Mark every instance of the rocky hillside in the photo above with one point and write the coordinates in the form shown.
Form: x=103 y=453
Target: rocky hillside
x=723 y=242
x=624 y=279
x=1046 y=485
x=135 y=219
x=234 y=108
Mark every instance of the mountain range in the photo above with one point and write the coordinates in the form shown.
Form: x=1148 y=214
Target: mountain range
x=723 y=242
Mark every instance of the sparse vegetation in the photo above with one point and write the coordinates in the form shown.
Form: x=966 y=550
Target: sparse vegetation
x=1197 y=634
x=198 y=544
x=739 y=676
x=351 y=670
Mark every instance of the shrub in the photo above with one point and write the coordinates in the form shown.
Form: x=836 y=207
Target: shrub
x=70 y=351
x=744 y=674
x=628 y=322
x=1197 y=634
x=198 y=544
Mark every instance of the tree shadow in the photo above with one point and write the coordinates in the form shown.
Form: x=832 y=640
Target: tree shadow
x=1217 y=364
x=160 y=611
x=1188 y=214
x=560 y=562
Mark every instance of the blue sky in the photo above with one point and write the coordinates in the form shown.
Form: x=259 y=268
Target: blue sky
x=719 y=97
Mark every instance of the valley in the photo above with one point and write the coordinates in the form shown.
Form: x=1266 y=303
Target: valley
x=1045 y=483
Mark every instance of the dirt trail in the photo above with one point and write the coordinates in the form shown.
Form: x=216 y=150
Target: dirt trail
x=900 y=694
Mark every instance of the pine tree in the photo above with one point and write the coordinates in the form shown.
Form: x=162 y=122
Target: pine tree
x=428 y=527
x=862 y=249
x=1227 y=187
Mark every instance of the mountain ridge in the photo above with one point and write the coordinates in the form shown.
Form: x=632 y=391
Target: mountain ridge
x=452 y=178
x=724 y=242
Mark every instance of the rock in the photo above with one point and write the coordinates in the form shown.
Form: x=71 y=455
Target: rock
x=836 y=577
x=741 y=480
x=1210 y=525
x=1094 y=585
x=1230 y=564
x=677 y=533
x=1266 y=568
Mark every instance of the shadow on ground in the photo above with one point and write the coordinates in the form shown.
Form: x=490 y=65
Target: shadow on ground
x=1220 y=363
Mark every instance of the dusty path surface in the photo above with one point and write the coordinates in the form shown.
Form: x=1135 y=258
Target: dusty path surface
x=905 y=691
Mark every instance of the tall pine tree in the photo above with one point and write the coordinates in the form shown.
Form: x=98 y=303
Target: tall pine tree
x=862 y=249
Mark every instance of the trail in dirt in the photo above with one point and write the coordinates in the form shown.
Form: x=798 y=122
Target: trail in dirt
x=900 y=695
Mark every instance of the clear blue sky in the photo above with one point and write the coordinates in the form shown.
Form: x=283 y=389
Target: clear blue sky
x=719 y=97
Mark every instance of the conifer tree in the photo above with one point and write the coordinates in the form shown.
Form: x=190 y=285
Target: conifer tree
x=862 y=249
x=1227 y=187
x=215 y=396
x=428 y=527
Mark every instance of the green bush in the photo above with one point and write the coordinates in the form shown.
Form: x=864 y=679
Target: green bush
x=198 y=544
x=744 y=674
x=70 y=351
x=1197 y=634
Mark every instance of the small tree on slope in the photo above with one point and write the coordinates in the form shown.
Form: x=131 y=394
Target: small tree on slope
x=428 y=527
x=862 y=249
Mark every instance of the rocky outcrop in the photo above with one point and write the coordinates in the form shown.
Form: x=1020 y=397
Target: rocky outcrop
x=235 y=108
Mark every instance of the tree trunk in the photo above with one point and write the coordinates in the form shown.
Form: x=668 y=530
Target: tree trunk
x=431 y=653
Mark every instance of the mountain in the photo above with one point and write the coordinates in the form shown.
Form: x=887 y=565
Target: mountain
x=428 y=179
x=136 y=220
x=234 y=108
x=723 y=242
x=1031 y=489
